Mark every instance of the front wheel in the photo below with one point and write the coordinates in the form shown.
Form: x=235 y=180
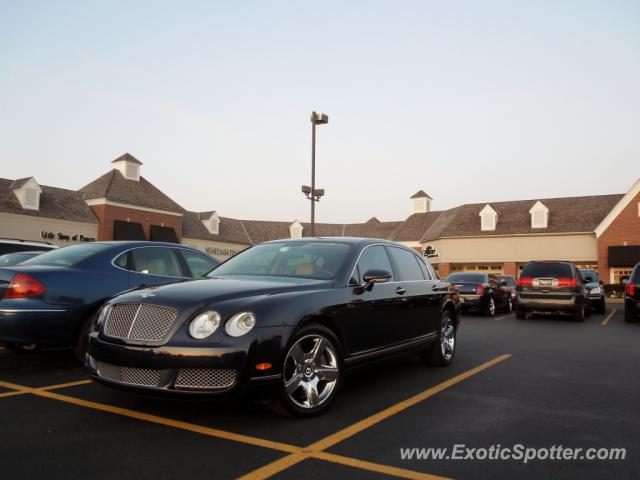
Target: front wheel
x=441 y=352
x=601 y=307
x=311 y=373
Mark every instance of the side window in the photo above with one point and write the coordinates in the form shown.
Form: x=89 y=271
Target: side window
x=424 y=268
x=374 y=258
x=122 y=261
x=156 y=261
x=199 y=264
x=407 y=263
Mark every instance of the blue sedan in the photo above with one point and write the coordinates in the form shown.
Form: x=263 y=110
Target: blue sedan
x=51 y=299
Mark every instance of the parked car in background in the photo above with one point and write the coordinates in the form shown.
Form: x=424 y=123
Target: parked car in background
x=292 y=314
x=632 y=296
x=509 y=283
x=10 y=259
x=552 y=287
x=596 y=291
x=50 y=299
x=482 y=292
x=11 y=246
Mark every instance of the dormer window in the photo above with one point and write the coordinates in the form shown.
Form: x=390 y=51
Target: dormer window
x=295 y=229
x=539 y=215
x=28 y=193
x=211 y=221
x=488 y=218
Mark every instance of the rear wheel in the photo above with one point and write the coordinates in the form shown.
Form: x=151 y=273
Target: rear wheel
x=509 y=307
x=490 y=309
x=81 y=341
x=311 y=373
x=628 y=316
x=521 y=313
x=579 y=314
x=441 y=352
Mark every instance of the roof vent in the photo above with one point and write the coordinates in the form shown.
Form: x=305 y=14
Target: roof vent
x=420 y=202
x=128 y=166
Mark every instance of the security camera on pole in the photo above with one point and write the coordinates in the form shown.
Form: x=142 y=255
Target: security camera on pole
x=312 y=193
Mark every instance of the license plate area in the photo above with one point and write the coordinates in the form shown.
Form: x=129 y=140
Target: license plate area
x=545 y=282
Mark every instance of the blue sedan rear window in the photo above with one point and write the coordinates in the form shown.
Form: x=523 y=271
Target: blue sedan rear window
x=68 y=256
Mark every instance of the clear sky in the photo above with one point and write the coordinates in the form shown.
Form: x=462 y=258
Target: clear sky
x=472 y=101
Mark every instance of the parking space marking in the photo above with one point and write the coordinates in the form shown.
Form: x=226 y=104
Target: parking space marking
x=49 y=387
x=504 y=316
x=375 y=467
x=317 y=448
x=605 y=322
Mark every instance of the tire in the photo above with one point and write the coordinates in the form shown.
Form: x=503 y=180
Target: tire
x=587 y=309
x=490 y=309
x=509 y=307
x=601 y=307
x=579 y=314
x=308 y=394
x=629 y=316
x=80 y=343
x=442 y=351
x=521 y=313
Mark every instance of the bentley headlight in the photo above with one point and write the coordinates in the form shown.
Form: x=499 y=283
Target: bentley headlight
x=596 y=290
x=240 y=324
x=204 y=324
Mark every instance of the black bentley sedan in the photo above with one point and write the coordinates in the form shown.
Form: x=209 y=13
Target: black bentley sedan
x=292 y=314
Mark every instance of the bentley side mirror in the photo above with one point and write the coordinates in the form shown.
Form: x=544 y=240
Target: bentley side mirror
x=373 y=276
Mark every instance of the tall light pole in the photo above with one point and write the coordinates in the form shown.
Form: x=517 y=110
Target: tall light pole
x=314 y=194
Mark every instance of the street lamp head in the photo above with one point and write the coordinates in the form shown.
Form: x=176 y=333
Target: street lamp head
x=319 y=118
x=318 y=192
x=306 y=190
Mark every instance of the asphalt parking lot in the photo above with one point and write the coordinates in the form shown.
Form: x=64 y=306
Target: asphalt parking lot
x=539 y=382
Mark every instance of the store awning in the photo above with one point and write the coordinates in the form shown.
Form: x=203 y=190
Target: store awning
x=624 y=256
x=163 y=234
x=128 y=231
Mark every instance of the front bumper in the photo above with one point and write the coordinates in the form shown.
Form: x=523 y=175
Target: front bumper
x=221 y=369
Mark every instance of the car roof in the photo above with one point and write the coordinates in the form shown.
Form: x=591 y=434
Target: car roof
x=15 y=241
x=349 y=240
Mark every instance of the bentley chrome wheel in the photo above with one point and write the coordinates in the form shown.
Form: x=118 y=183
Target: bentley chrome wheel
x=311 y=371
x=447 y=338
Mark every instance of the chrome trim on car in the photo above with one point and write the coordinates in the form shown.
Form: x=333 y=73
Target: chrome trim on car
x=31 y=310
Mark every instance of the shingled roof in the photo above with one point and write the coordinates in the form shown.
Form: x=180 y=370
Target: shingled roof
x=230 y=229
x=566 y=215
x=57 y=203
x=113 y=186
x=415 y=226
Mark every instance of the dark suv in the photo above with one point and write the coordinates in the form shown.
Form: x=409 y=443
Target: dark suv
x=632 y=296
x=552 y=287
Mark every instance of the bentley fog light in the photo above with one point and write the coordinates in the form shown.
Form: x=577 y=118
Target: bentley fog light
x=204 y=324
x=240 y=324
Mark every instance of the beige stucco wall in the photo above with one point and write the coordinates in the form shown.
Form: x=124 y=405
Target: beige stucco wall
x=27 y=227
x=578 y=247
x=219 y=250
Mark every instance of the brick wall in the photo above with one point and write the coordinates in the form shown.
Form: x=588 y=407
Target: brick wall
x=444 y=269
x=625 y=228
x=107 y=214
x=510 y=268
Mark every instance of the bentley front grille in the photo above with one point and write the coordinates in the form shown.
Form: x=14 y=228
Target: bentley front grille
x=142 y=322
x=206 y=378
x=131 y=376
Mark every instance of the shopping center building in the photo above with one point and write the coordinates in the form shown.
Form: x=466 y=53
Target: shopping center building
x=602 y=231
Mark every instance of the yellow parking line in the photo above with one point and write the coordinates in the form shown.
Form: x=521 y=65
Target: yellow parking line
x=606 y=320
x=212 y=432
x=317 y=448
x=504 y=316
x=375 y=467
x=49 y=387
x=357 y=427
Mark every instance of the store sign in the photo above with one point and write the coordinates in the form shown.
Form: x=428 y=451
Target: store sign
x=221 y=252
x=63 y=237
x=430 y=252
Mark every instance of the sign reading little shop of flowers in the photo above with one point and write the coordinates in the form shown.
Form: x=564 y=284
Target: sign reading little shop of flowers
x=63 y=237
